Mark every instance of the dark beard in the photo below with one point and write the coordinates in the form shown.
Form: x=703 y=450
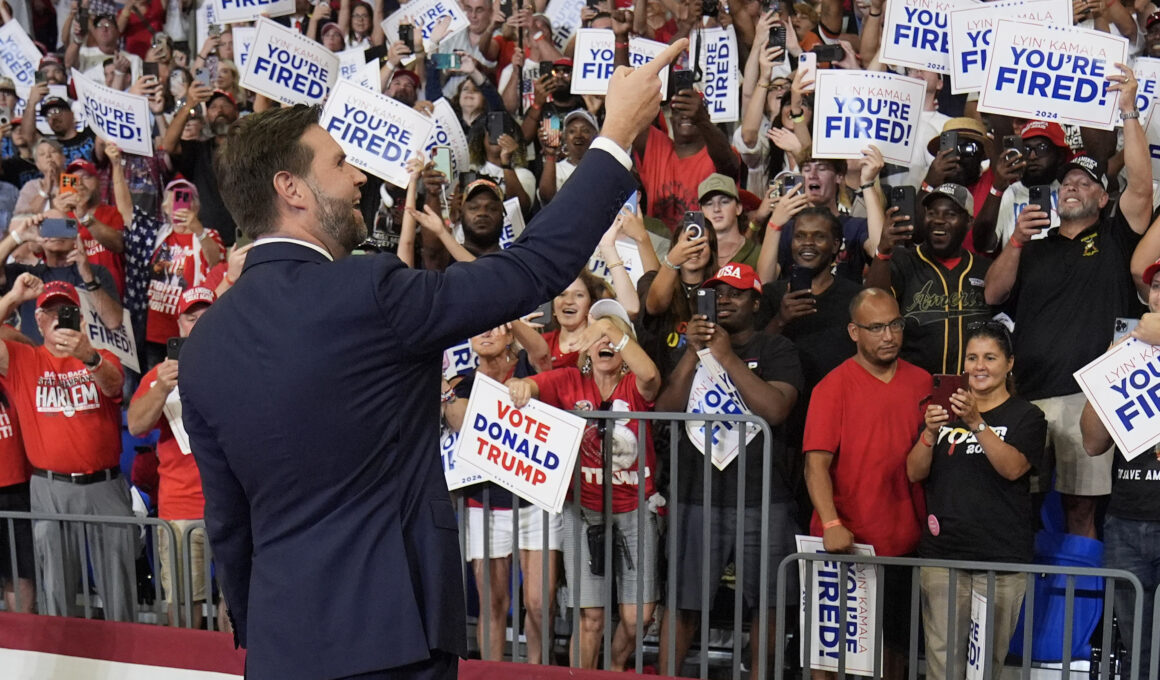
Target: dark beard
x=338 y=221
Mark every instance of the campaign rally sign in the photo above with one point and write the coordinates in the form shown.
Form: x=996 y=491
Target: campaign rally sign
x=529 y=451
x=377 y=133
x=859 y=108
x=19 y=57
x=713 y=392
x=1147 y=70
x=243 y=43
x=825 y=610
x=1152 y=130
x=565 y=18
x=446 y=131
x=976 y=638
x=716 y=50
x=120 y=342
x=641 y=51
x=972 y=29
x=459 y=359
x=594 y=55
x=1123 y=386
x=457 y=473
x=205 y=15
x=118 y=117
x=424 y=14
x=916 y=33
x=352 y=66
x=288 y=67
x=233 y=11
x=513 y=223
x=628 y=252
x=1052 y=73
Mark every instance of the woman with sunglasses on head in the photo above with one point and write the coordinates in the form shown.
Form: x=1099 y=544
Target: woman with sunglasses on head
x=974 y=463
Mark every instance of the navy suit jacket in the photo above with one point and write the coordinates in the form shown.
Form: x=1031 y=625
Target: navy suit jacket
x=310 y=397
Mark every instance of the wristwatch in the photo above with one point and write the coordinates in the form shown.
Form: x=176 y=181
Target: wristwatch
x=93 y=361
x=91 y=285
x=982 y=426
x=86 y=220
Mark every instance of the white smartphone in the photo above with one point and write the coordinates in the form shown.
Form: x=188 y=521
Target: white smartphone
x=808 y=65
x=442 y=159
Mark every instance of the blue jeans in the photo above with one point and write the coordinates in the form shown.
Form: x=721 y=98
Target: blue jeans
x=1134 y=545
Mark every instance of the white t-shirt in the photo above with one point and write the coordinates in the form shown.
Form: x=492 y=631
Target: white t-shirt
x=1013 y=202
x=91 y=62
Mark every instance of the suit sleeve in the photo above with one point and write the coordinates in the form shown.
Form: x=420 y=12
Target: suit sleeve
x=432 y=309
x=227 y=518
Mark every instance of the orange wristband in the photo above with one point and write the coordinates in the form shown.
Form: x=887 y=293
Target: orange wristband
x=924 y=441
x=1013 y=243
x=831 y=524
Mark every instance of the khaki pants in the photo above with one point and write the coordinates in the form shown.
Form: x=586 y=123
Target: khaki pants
x=1009 y=589
x=167 y=554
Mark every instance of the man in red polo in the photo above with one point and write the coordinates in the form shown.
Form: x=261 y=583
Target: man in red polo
x=101 y=225
x=67 y=396
x=157 y=403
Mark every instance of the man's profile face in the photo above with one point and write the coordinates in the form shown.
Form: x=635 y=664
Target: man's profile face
x=870 y=330
x=335 y=185
x=186 y=321
x=483 y=217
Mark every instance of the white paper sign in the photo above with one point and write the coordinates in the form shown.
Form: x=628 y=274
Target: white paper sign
x=717 y=397
x=1147 y=70
x=352 y=65
x=857 y=108
x=446 y=131
x=118 y=117
x=972 y=29
x=288 y=67
x=424 y=14
x=19 y=57
x=233 y=11
x=172 y=411
x=565 y=18
x=594 y=55
x=641 y=51
x=377 y=133
x=1052 y=73
x=529 y=451
x=976 y=638
x=716 y=50
x=916 y=33
x=628 y=252
x=457 y=473
x=861 y=599
x=243 y=42
x=459 y=359
x=1152 y=130
x=513 y=223
x=120 y=342
x=1123 y=389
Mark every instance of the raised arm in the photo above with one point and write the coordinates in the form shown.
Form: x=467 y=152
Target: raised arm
x=26 y=287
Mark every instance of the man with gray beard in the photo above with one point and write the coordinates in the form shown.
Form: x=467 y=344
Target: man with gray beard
x=194 y=158
x=1066 y=290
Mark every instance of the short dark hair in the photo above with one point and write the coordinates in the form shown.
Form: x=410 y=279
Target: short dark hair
x=258 y=147
x=995 y=330
x=826 y=215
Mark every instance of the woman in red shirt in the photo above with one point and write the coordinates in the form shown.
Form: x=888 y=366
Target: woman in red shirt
x=570 y=312
x=613 y=374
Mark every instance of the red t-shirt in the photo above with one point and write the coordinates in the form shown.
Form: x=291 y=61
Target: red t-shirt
x=979 y=191
x=171 y=271
x=99 y=254
x=870 y=427
x=560 y=359
x=66 y=423
x=14 y=468
x=139 y=34
x=671 y=182
x=179 y=495
x=566 y=388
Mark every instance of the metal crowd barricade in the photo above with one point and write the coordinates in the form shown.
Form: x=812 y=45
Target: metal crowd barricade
x=211 y=609
x=992 y=569
x=667 y=597
x=10 y=517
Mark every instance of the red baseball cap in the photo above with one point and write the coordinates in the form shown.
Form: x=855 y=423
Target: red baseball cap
x=1151 y=272
x=1041 y=128
x=564 y=61
x=404 y=73
x=54 y=290
x=737 y=275
x=83 y=165
x=198 y=295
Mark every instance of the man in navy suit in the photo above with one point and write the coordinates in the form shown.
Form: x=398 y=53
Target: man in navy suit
x=308 y=394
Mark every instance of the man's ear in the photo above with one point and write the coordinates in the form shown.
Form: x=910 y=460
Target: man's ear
x=292 y=189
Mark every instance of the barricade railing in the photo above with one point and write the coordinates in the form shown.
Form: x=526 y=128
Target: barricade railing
x=11 y=517
x=187 y=571
x=956 y=569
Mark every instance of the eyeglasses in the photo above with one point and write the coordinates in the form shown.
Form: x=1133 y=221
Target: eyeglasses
x=895 y=326
x=1038 y=149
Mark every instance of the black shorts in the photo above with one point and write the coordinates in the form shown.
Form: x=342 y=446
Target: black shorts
x=15 y=498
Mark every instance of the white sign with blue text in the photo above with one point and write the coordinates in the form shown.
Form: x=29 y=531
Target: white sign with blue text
x=564 y=16
x=594 y=55
x=233 y=11
x=118 y=117
x=243 y=42
x=858 y=108
x=716 y=50
x=825 y=607
x=713 y=392
x=446 y=131
x=458 y=474
x=378 y=134
x=424 y=14
x=972 y=29
x=19 y=57
x=289 y=67
x=1123 y=386
x=916 y=33
x=1055 y=73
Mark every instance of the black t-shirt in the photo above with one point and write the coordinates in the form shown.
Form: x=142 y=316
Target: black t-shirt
x=17 y=171
x=1066 y=299
x=851 y=258
x=195 y=162
x=84 y=145
x=662 y=336
x=938 y=304
x=499 y=497
x=1136 y=487
x=973 y=513
x=774 y=359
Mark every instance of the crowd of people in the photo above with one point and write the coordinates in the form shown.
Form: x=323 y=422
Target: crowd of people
x=829 y=307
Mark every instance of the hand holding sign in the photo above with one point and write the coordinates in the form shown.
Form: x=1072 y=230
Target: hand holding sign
x=634 y=97
x=1126 y=85
x=522 y=391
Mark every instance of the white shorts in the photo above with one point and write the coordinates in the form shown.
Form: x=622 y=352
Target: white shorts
x=500 y=537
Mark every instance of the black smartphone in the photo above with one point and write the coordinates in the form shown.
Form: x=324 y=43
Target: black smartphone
x=800 y=278
x=546 y=68
x=904 y=198
x=376 y=52
x=948 y=141
x=41 y=77
x=83 y=19
x=465 y=179
x=1013 y=142
x=788 y=182
x=173 y=348
x=707 y=303
x=495 y=126
x=709 y=8
x=771 y=6
x=407 y=35
x=1040 y=195
x=682 y=80
x=506 y=8
x=694 y=223
x=593 y=4
x=829 y=53
x=58 y=227
x=943 y=385
x=68 y=317
x=777 y=36
x=151 y=68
